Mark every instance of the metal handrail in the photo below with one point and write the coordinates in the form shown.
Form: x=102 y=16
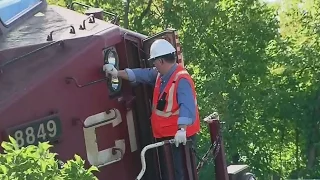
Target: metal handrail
x=144 y=150
x=115 y=15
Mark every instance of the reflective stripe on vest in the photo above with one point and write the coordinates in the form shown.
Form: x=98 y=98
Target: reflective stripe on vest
x=168 y=114
x=168 y=111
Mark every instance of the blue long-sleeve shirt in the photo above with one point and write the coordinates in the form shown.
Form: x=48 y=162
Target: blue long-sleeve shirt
x=187 y=113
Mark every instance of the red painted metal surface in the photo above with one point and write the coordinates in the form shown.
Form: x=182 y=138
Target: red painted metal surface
x=191 y=166
x=34 y=86
x=49 y=92
x=221 y=172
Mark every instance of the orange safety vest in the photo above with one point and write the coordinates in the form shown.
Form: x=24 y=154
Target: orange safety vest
x=165 y=123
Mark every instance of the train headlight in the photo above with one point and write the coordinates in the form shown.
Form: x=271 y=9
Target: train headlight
x=111 y=57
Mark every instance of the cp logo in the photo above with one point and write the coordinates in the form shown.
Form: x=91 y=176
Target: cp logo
x=110 y=155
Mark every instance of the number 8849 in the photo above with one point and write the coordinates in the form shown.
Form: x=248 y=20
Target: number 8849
x=35 y=133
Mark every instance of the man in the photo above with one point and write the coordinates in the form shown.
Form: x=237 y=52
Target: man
x=174 y=107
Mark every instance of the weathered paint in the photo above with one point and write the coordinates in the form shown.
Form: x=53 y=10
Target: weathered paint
x=35 y=87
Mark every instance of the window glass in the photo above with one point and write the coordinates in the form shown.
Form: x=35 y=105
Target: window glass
x=13 y=9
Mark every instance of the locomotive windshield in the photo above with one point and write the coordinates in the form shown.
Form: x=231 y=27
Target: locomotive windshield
x=13 y=9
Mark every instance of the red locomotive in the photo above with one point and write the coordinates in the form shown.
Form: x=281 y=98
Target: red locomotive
x=52 y=88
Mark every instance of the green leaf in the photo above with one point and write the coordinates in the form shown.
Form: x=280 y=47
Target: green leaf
x=14 y=143
x=43 y=166
x=93 y=168
x=3 y=169
x=77 y=158
x=8 y=147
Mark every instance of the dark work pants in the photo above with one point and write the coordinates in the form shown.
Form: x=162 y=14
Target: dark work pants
x=177 y=158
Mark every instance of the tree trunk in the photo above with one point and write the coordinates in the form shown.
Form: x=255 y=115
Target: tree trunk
x=311 y=156
x=126 y=14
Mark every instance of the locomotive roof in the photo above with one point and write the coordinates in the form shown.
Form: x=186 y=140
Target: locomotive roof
x=36 y=29
x=31 y=35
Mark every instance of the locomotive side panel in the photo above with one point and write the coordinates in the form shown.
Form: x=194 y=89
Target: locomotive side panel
x=87 y=120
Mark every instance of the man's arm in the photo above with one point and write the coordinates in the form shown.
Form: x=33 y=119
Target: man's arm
x=187 y=113
x=123 y=74
x=139 y=75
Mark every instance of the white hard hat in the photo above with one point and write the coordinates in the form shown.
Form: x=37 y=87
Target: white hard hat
x=160 y=47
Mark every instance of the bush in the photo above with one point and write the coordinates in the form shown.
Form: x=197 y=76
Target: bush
x=38 y=163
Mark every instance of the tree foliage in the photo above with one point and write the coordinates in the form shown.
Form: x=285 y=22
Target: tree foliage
x=38 y=163
x=257 y=65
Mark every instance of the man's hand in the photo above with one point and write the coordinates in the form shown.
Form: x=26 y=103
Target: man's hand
x=110 y=69
x=180 y=137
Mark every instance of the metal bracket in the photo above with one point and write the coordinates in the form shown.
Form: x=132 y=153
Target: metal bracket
x=116 y=160
x=211 y=117
x=77 y=121
x=104 y=121
x=91 y=20
x=69 y=79
x=72 y=31
x=127 y=101
x=114 y=152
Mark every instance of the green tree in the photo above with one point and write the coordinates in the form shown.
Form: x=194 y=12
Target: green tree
x=38 y=163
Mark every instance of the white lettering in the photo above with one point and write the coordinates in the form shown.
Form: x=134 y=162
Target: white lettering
x=106 y=156
x=41 y=133
x=131 y=131
x=30 y=135
x=52 y=128
x=18 y=136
